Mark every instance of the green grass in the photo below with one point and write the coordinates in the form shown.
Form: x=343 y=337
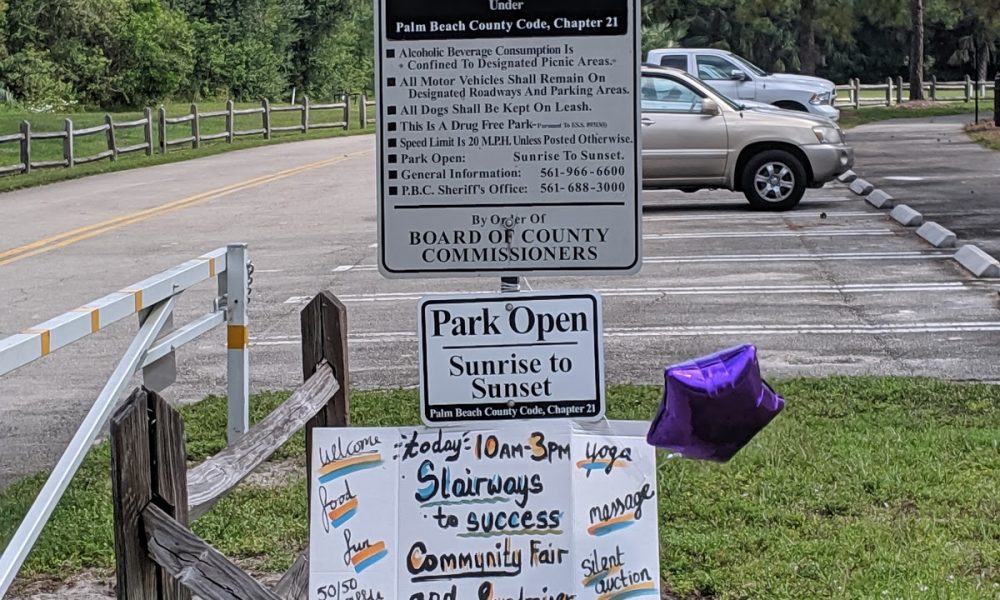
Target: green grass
x=862 y=488
x=987 y=138
x=43 y=150
x=850 y=117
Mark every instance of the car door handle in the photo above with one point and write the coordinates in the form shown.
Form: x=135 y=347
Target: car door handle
x=647 y=121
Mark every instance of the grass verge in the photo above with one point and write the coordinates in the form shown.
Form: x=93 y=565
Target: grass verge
x=850 y=117
x=863 y=488
x=42 y=150
x=986 y=134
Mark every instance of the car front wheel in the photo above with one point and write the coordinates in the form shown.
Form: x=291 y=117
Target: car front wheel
x=774 y=180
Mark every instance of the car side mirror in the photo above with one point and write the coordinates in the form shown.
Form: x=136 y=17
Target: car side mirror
x=710 y=108
x=738 y=75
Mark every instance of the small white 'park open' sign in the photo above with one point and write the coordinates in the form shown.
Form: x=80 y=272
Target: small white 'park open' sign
x=514 y=356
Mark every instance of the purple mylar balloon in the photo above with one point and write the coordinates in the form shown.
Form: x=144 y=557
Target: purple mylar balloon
x=714 y=405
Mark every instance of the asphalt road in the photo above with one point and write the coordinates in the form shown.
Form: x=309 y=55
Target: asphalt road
x=931 y=165
x=833 y=287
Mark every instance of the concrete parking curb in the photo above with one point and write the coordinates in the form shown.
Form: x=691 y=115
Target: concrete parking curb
x=977 y=262
x=907 y=216
x=847 y=177
x=938 y=236
x=880 y=199
x=861 y=187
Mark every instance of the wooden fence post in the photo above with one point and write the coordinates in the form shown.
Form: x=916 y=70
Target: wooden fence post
x=899 y=89
x=230 y=121
x=148 y=465
x=362 y=110
x=968 y=88
x=933 y=88
x=169 y=477
x=888 y=91
x=112 y=146
x=857 y=93
x=68 y=142
x=324 y=338
x=305 y=113
x=26 y=146
x=266 y=117
x=131 y=491
x=162 y=122
x=195 y=128
x=347 y=111
x=147 y=131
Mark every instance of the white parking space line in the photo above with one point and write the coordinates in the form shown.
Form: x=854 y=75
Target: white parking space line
x=389 y=337
x=725 y=290
x=708 y=235
x=745 y=258
x=767 y=216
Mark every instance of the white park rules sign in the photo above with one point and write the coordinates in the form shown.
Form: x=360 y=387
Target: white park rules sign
x=508 y=139
x=513 y=356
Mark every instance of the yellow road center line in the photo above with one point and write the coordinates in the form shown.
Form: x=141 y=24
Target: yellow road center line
x=80 y=234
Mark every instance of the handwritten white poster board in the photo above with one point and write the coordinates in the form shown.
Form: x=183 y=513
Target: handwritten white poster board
x=526 y=511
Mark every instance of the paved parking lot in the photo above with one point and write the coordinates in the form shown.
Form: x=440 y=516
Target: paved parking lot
x=831 y=288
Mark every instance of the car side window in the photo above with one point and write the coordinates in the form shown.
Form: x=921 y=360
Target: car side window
x=715 y=68
x=662 y=94
x=676 y=62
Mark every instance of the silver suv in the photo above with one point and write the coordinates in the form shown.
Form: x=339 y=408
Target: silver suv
x=695 y=138
x=742 y=81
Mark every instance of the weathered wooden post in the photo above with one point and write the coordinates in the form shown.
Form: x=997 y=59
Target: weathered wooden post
x=857 y=93
x=888 y=91
x=147 y=131
x=933 y=88
x=230 y=121
x=195 y=128
x=968 y=88
x=362 y=110
x=26 y=147
x=266 y=117
x=148 y=467
x=112 y=146
x=162 y=122
x=347 y=110
x=899 y=89
x=305 y=113
x=324 y=338
x=996 y=100
x=68 y=142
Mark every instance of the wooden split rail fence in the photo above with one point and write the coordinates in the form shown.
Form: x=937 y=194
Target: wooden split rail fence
x=195 y=138
x=896 y=91
x=156 y=496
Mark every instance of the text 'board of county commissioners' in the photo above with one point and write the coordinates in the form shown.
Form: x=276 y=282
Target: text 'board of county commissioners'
x=508 y=137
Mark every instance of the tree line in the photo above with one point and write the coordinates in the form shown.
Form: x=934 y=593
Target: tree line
x=838 y=39
x=130 y=53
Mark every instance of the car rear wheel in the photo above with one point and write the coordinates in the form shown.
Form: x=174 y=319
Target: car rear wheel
x=774 y=180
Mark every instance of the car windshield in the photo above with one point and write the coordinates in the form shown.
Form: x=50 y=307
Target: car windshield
x=750 y=66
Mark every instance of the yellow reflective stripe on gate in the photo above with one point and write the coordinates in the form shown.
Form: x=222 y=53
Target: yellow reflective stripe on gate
x=238 y=337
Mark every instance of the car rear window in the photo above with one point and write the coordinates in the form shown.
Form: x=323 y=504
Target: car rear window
x=676 y=62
